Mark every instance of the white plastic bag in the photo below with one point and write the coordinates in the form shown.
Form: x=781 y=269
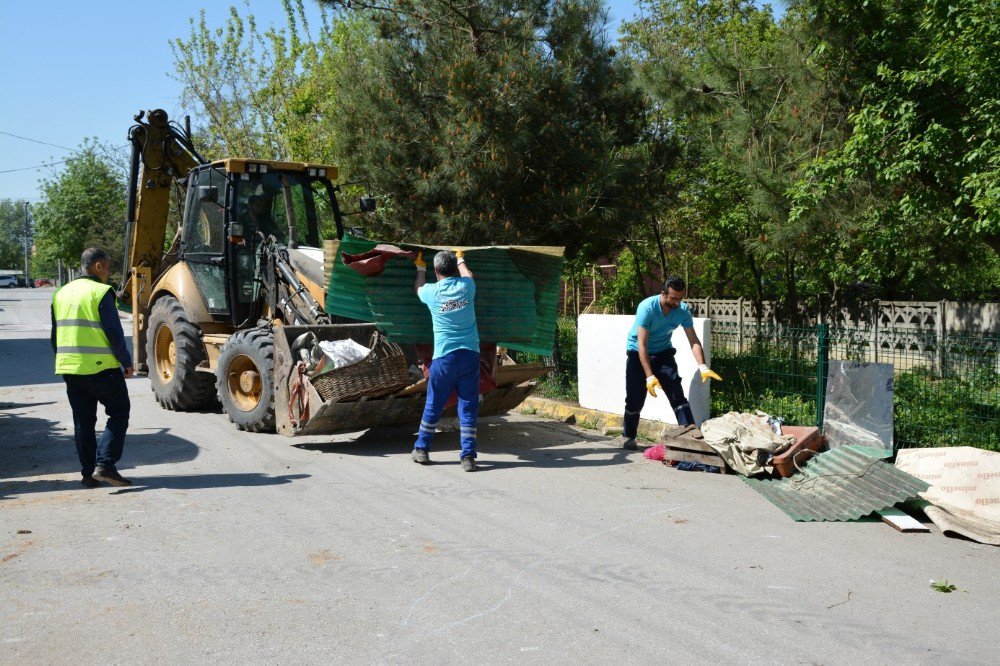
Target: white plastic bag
x=344 y=352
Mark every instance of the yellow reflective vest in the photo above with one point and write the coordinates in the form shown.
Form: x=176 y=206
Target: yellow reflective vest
x=82 y=347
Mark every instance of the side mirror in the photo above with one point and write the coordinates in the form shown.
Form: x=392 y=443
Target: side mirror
x=208 y=193
x=367 y=204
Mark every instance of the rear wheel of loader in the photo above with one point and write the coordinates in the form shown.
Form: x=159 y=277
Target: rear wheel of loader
x=246 y=380
x=174 y=350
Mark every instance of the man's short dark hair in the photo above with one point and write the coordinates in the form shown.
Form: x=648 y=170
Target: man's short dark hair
x=446 y=263
x=91 y=256
x=675 y=282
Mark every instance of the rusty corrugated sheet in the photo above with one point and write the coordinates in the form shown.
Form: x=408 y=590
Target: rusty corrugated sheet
x=845 y=483
x=517 y=293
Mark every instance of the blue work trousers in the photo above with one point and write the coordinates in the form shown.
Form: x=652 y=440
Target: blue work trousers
x=457 y=370
x=664 y=367
x=85 y=392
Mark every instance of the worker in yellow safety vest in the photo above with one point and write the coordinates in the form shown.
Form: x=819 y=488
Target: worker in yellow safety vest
x=91 y=354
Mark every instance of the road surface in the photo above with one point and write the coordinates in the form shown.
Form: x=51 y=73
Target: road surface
x=247 y=548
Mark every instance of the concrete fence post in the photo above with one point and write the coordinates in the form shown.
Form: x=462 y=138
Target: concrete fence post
x=739 y=325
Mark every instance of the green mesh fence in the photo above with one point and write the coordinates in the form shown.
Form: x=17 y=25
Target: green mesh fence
x=947 y=392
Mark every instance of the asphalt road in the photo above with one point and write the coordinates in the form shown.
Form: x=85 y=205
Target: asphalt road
x=243 y=548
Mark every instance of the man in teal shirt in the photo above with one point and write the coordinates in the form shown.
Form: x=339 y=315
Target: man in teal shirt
x=455 y=365
x=650 y=355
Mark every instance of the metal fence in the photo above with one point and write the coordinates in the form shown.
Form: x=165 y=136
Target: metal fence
x=946 y=392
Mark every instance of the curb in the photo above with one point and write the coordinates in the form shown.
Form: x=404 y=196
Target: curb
x=592 y=419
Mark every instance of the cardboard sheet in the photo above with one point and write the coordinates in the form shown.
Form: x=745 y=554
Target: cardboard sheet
x=964 y=492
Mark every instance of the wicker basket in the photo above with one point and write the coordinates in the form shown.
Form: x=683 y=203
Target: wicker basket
x=382 y=372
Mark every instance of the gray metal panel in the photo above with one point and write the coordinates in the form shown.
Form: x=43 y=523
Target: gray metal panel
x=843 y=484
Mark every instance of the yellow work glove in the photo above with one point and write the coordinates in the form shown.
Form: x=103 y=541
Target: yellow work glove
x=419 y=262
x=651 y=385
x=458 y=253
x=707 y=374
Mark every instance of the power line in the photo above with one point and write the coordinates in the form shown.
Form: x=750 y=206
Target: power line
x=40 y=166
x=44 y=143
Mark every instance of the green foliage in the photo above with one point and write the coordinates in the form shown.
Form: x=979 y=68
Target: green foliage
x=267 y=94
x=942 y=586
x=621 y=292
x=12 y=234
x=915 y=187
x=562 y=383
x=82 y=206
x=494 y=122
x=753 y=100
x=931 y=410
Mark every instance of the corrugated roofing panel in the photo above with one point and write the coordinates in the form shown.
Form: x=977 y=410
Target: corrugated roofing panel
x=845 y=483
x=517 y=293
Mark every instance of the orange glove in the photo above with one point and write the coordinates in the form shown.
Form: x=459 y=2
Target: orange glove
x=652 y=383
x=419 y=262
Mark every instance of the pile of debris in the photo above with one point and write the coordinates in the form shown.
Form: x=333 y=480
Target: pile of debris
x=845 y=473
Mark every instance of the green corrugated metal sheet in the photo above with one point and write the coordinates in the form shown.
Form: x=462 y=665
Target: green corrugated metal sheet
x=845 y=483
x=517 y=293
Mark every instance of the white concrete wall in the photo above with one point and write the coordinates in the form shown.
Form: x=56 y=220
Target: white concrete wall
x=601 y=341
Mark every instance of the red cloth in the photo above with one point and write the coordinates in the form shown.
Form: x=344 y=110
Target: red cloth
x=373 y=262
x=487 y=368
x=658 y=452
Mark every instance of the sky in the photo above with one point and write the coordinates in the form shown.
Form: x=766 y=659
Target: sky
x=70 y=70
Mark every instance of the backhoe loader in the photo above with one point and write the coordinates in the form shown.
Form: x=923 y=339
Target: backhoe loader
x=218 y=312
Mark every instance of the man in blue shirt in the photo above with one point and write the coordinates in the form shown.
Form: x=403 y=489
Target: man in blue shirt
x=455 y=364
x=650 y=355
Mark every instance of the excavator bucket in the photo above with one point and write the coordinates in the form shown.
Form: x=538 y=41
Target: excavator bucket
x=300 y=409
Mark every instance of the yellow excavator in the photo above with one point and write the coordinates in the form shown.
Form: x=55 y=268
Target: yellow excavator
x=219 y=310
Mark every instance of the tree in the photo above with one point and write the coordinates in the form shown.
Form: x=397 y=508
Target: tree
x=12 y=230
x=82 y=206
x=493 y=122
x=918 y=176
x=264 y=94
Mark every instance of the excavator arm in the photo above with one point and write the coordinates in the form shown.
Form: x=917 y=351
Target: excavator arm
x=162 y=155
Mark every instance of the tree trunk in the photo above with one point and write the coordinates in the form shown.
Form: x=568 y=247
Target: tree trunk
x=722 y=277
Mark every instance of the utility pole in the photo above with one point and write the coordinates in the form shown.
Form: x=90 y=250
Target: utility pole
x=27 y=245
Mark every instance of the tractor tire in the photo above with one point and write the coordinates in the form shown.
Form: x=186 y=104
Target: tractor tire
x=174 y=351
x=246 y=379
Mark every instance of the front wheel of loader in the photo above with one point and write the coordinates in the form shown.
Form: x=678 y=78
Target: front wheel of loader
x=246 y=380
x=173 y=351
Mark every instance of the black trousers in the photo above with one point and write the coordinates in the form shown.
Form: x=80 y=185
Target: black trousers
x=85 y=392
x=664 y=367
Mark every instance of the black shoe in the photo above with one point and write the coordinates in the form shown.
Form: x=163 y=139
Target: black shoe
x=421 y=457
x=468 y=464
x=629 y=443
x=111 y=476
x=90 y=482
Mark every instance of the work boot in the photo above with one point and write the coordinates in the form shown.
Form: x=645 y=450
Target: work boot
x=111 y=476
x=90 y=482
x=421 y=457
x=468 y=464
x=628 y=443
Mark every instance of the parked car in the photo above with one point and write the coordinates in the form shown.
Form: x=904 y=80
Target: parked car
x=8 y=281
x=43 y=282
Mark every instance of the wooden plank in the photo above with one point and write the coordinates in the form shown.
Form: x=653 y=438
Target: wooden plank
x=901 y=521
x=688 y=444
x=695 y=456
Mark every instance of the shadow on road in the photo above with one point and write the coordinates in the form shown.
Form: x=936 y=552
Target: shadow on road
x=31 y=446
x=202 y=481
x=27 y=361
x=543 y=444
x=141 y=483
